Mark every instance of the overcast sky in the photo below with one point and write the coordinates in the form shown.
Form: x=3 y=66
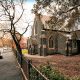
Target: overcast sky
x=27 y=17
x=30 y=15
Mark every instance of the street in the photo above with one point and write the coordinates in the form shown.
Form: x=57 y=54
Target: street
x=9 y=69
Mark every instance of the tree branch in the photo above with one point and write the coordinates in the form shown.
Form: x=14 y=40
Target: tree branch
x=71 y=9
x=20 y=15
x=4 y=8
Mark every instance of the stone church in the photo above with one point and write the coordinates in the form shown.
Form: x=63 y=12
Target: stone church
x=45 y=41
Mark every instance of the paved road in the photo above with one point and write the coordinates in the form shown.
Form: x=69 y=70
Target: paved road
x=9 y=69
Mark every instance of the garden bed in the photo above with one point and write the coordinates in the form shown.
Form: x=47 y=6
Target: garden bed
x=69 y=66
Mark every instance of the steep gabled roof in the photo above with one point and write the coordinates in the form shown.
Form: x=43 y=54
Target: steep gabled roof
x=45 y=18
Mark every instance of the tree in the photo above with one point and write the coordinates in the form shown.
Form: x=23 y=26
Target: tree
x=64 y=13
x=9 y=13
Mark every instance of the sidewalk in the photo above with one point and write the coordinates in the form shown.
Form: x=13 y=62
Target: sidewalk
x=9 y=69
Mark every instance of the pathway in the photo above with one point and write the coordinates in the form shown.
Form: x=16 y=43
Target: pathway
x=9 y=69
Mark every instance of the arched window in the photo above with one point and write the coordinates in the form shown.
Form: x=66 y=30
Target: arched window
x=51 y=42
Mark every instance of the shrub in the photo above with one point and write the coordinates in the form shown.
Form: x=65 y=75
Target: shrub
x=51 y=74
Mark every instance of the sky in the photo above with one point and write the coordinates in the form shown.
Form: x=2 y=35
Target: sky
x=27 y=17
x=30 y=16
x=30 y=1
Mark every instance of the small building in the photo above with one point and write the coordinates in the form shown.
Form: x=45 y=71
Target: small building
x=23 y=42
x=45 y=41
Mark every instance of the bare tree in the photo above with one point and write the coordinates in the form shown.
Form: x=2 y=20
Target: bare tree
x=8 y=13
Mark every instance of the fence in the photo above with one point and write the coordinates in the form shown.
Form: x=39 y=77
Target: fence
x=30 y=71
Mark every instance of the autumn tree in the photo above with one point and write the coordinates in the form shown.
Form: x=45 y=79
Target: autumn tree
x=65 y=14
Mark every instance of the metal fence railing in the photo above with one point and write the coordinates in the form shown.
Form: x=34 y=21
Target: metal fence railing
x=35 y=74
x=30 y=71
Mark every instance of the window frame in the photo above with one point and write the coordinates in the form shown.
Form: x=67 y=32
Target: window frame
x=51 y=42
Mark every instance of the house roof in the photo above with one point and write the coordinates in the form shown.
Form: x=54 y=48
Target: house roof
x=45 y=18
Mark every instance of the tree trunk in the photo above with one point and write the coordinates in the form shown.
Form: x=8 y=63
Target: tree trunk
x=18 y=47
